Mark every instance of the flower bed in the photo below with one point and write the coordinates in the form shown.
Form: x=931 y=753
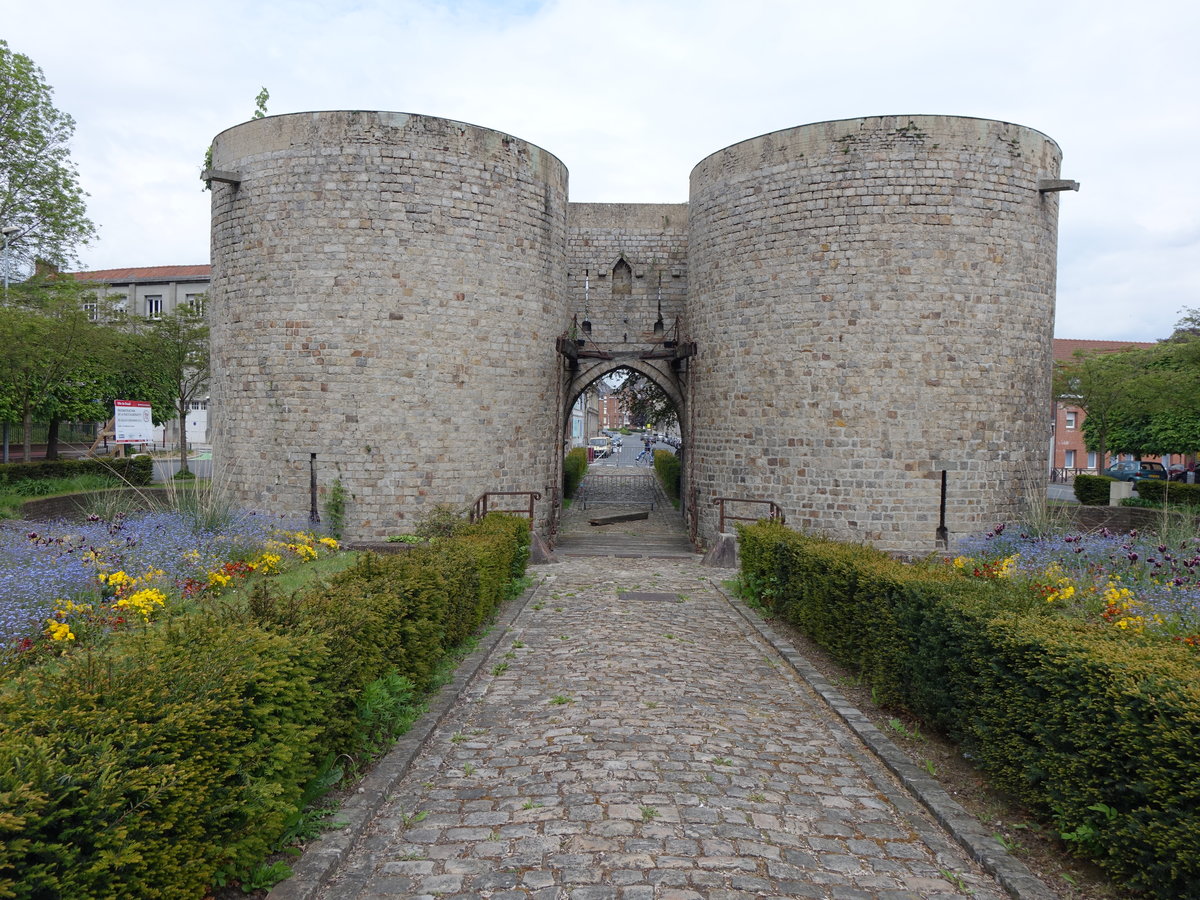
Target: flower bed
x=1135 y=582
x=173 y=756
x=63 y=581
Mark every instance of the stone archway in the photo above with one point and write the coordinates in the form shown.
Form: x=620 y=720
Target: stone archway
x=668 y=374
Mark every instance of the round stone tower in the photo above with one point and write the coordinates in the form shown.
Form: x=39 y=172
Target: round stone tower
x=873 y=302
x=385 y=298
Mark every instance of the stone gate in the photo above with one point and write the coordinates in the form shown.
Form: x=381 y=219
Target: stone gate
x=841 y=313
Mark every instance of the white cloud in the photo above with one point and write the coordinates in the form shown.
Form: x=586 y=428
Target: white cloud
x=631 y=94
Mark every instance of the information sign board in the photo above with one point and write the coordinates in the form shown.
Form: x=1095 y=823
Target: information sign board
x=132 y=422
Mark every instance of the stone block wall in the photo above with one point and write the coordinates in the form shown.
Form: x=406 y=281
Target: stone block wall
x=386 y=292
x=873 y=301
x=652 y=238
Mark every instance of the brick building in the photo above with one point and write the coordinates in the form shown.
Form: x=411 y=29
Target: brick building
x=1068 y=454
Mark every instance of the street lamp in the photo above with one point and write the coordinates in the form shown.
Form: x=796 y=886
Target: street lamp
x=9 y=231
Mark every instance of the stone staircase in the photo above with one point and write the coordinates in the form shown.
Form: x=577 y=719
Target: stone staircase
x=619 y=491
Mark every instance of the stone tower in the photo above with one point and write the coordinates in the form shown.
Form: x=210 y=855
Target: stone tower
x=870 y=303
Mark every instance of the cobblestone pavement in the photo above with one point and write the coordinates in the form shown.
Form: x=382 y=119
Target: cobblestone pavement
x=647 y=745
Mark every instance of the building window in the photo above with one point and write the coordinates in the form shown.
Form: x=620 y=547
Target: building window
x=195 y=302
x=154 y=307
x=1069 y=459
x=93 y=311
x=1091 y=459
x=1071 y=414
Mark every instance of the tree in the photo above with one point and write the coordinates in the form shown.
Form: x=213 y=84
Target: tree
x=44 y=329
x=40 y=198
x=1103 y=386
x=646 y=402
x=181 y=359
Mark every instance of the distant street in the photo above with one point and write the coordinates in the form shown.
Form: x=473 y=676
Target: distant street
x=628 y=453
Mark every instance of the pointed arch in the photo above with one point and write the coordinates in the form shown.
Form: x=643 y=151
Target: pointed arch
x=658 y=372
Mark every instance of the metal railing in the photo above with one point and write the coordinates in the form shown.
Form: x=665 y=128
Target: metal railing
x=1066 y=476
x=775 y=511
x=481 y=508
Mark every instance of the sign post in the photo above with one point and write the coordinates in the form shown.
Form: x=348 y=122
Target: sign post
x=132 y=422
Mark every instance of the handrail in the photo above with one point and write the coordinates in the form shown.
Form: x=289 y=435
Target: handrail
x=480 y=508
x=775 y=509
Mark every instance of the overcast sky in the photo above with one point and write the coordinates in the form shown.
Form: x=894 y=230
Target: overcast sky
x=631 y=94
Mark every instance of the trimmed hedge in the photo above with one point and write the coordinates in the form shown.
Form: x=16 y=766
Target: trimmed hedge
x=1097 y=731
x=666 y=466
x=145 y=767
x=1169 y=492
x=138 y=470
x=575 y=466
x=1092 y=490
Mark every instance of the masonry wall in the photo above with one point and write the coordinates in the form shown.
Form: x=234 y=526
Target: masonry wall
x=385 y=295
x=652 y=239
x=873 y=303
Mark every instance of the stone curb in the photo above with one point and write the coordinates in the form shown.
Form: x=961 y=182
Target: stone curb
x=321 y=858
x=1009 y=871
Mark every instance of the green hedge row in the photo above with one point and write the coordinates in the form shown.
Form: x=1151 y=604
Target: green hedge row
x=574 y=468
x=1170 y=492
x=1095 y=730
x=1092 y=490
x=138 y=470
x=149 y=766
x=666 y=466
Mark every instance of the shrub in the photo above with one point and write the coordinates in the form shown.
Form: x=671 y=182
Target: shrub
x=1092 y=490
x=137 y=470
x=1173 y=492
x=1095 y=728
x=574 y=468
x=143 y=772
x=151 y=764
x=666 y=466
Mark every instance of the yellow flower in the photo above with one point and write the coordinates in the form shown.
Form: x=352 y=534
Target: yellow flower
x=116 y=579
x=1007 y=566
x=143 y=602
x=59 y=631
x=219 y=579
x=267 y=563
x=330 y=543
x=960 y=562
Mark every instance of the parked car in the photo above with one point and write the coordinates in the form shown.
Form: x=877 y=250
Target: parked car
x=1135 y=469
x=600 y=446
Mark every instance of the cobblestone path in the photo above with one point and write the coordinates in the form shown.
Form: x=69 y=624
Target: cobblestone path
x=648 y=744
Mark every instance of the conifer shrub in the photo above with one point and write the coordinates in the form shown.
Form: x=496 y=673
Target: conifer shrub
x=141 y=772
x=667 y=468
x=575 y=466
x=1096 y=729
x=151 y=764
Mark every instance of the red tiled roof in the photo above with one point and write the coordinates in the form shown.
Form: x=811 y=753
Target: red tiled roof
x=1066 y=348
x=145 y=273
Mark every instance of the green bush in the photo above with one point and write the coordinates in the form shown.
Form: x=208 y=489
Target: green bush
x=666 y=466
x=1095 y=729
x=137 y=470
x=1173 y=492
x=1092 y=490
x=140 y=773
x=574 y=468
x=152 y=764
